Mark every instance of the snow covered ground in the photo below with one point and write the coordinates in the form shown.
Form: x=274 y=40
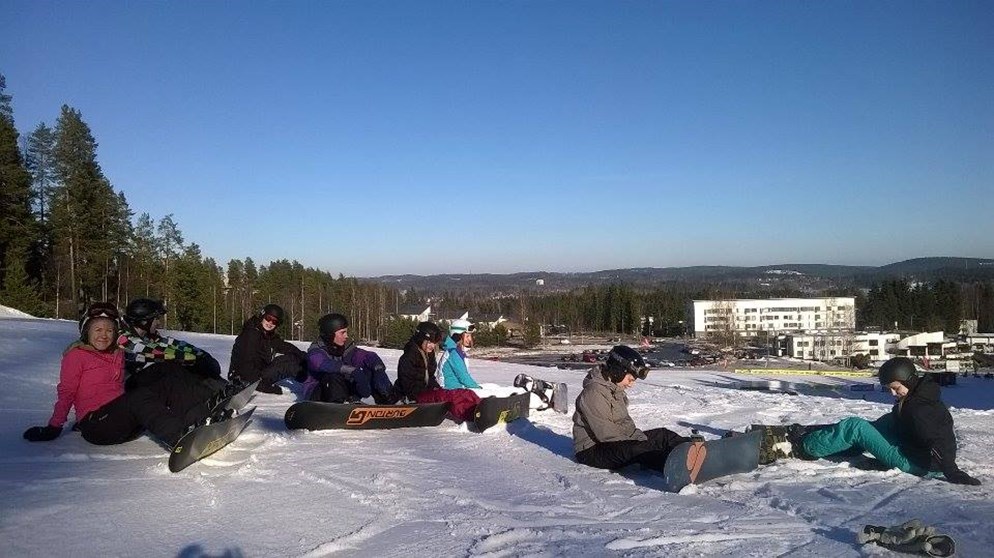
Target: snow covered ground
x=446 y=491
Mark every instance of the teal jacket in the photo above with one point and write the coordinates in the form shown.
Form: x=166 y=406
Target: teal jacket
x=455 y=373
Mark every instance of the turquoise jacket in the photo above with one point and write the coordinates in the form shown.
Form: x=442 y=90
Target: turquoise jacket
x=455 y=373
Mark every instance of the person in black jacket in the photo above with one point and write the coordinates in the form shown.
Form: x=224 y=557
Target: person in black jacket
x=416 y=380
x=916 y=436
x=259 y=353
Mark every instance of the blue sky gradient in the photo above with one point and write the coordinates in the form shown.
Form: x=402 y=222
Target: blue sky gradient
x=371 y=138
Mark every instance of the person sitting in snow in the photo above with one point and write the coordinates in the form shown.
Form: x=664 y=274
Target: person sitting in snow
x=416 y=379
x=342 y=372
x=604 y=435
x=91 y=380
x=452 y=366
x=916 y=436
x=147 y=353
x=259 y=353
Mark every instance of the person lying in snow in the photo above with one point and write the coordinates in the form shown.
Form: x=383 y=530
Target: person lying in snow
x=916 y=436
x=604 y=435
x=91 y=380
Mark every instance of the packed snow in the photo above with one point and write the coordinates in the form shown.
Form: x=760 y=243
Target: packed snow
x=513 y=490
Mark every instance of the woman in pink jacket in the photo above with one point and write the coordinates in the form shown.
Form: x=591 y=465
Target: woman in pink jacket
x=91 y=380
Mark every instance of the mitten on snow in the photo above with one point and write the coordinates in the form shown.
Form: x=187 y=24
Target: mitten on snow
x=42 y=433
x=960 y=477
x=909 y=536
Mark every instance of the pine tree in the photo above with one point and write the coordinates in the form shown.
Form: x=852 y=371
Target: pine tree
x=81 y=208
x=17 y=226
x=39 y=161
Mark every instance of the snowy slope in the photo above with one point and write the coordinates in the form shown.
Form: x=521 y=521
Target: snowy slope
x=445 y=491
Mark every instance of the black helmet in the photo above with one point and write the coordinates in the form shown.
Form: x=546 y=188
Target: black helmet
x=274 y=311
x=141 y=311
x=897 y=369
x=98 y=310
x=427 y=331
x=330 y=323
x=623 y=360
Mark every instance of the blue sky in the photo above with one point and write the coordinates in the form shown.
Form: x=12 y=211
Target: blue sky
x=371 y=138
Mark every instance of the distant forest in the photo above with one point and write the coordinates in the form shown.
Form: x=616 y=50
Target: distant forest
x=68 y=238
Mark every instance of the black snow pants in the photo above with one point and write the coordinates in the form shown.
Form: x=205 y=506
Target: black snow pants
x=283 y=366
x=649 y=453
x=166 y=408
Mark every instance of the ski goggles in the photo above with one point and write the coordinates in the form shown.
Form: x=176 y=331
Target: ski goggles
x=102 y=310
x=271 y=319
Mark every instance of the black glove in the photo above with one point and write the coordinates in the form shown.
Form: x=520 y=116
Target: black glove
x=960 y=477
x=42 y=433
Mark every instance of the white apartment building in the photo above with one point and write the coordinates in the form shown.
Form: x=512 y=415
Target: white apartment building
x=771 y=317
x=878 y=346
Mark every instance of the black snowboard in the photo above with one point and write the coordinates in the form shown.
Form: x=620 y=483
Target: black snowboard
x=317 y=415
x=493 y=410
x=240 y=399
x=554 y=395
x=697 y=462
x=205 y=440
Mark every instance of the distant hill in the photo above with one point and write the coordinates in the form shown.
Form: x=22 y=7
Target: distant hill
x=801 y=277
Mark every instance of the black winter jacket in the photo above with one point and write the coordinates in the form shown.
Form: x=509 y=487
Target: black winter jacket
x=255 y=349
x=415 y=370
x=925 y=427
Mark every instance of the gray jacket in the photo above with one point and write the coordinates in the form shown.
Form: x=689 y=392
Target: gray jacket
x=602 y=414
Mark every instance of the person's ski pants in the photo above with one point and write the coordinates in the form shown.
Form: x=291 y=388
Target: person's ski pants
x=649 y=453
x=166 y=407
x=283 y=366
x=462 y=402
x=339 y=388
x=879 y=438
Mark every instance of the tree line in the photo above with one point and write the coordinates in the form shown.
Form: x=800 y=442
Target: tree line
x=68 y=238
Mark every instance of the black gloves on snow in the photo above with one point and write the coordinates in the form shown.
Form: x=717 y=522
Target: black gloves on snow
x=960 y=477
x=42 y=433
x=912 y=537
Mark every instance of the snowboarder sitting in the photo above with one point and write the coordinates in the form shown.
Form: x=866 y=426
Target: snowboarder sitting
x=604 y=435
x=452 y=365
x=916 y=436
x=340 y=371
x=148 y=354
x=91 y=380
x=259 y=353
x=416 y=379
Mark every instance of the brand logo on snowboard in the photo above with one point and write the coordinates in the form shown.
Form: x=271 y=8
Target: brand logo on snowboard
x=362 y=415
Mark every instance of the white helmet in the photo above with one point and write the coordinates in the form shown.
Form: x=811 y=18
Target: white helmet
x=461 y=326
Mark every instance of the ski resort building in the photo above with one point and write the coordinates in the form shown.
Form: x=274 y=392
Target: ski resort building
x=772 y=317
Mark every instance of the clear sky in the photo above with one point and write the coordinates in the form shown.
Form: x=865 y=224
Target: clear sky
x=371 y=138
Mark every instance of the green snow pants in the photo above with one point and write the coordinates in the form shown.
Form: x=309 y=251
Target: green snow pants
x=879 y=438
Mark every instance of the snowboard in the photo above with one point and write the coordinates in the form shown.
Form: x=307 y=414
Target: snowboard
x=697 y=461
x=240 y=399
x=494 y=410
x=318 y=415
x=205 y=440
x=554 y=395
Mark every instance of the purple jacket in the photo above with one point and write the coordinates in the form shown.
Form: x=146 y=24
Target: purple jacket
x=323 y=360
